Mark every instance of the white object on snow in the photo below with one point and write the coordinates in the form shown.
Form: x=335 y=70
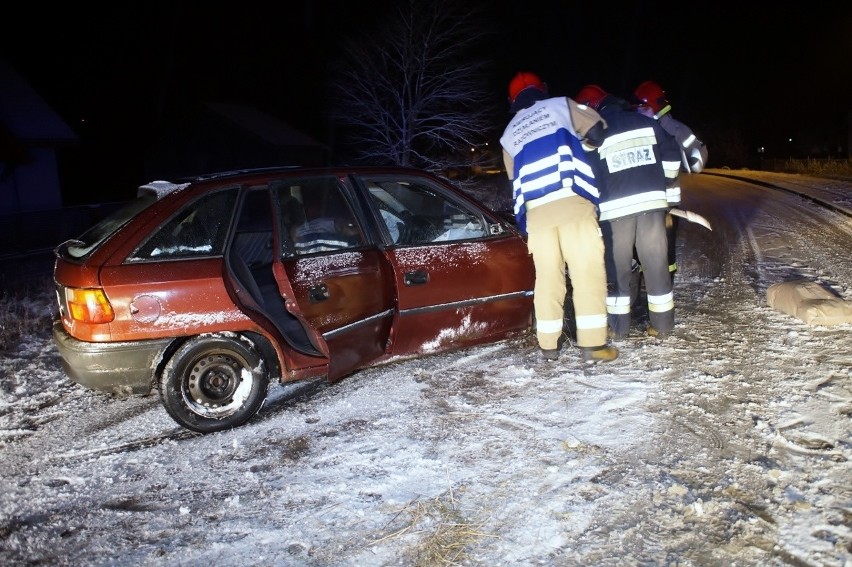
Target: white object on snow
x=691 y=217
x=810 y=302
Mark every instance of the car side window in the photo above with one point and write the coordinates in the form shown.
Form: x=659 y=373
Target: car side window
x=253 y=235
x=198 y=229
x=417 y=213
x=316 y=216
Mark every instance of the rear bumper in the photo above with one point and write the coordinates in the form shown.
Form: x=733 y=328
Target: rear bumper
x=118 y=368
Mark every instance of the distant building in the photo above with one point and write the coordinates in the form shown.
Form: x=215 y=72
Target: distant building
x=220 y=137
x=30 y=135
x=215 y=137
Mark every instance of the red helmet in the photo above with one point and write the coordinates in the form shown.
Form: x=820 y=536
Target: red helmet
x=591 y=95
x=651 y=94
x=522 y=81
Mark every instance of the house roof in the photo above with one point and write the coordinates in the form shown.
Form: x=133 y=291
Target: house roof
x=25 y=114
x=271 y=129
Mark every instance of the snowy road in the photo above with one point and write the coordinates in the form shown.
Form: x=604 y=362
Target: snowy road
x=728 y=443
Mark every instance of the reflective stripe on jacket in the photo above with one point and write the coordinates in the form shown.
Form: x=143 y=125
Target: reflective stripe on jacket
x=638 y=164
x=694 y=150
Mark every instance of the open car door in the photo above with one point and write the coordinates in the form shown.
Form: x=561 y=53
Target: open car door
x=340 y=282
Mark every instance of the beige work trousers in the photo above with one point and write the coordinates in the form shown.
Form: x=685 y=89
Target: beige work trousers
x=564 y=233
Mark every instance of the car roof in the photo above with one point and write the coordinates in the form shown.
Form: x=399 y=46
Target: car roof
x=337 y=169
x=162 y=187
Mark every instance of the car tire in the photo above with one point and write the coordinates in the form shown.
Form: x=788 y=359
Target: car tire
x=214 y=382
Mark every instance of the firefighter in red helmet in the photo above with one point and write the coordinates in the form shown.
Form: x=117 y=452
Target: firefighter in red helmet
x=591 y=95
x=637 y=165
x=650 y=99
x=555 y=197
x=651 y=94
x=522 y=81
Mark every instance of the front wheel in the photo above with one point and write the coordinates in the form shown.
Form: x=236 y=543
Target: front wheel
x=214 y=382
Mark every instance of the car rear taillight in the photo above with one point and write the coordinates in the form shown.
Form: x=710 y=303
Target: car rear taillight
x=89 y=305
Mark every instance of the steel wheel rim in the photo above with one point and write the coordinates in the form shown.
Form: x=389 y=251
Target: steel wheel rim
x=217 y=385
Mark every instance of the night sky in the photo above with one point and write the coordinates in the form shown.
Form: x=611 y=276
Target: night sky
x=754 y=71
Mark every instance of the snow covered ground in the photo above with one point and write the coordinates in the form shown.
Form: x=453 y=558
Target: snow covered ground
x=727 y=443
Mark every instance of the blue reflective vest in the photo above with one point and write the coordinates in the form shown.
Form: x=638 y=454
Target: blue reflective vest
x=548 y=158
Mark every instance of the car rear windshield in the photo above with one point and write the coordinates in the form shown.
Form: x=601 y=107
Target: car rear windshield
x=81 y=247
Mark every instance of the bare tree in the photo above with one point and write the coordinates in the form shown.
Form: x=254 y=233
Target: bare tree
x=414 y=93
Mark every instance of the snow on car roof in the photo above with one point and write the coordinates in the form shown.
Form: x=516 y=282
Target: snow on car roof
x=161 y=188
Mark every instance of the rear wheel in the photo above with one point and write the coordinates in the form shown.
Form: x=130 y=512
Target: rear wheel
x=214 y=382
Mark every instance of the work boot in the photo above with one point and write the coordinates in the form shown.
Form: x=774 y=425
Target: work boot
x=613 y=336
x=652 y=332
x=550 y=354
x=600 y=354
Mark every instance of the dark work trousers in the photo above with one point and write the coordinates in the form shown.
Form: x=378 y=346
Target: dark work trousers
x=646 y=233
x=671 y=230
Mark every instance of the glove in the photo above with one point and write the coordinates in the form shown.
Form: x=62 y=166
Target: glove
x=696 y=162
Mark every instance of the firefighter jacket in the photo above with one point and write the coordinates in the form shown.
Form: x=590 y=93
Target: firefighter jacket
x=693 y=150
x=544 y=154
x=637 y=163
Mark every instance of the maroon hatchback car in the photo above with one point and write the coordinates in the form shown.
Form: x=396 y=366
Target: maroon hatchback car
x=212 y=289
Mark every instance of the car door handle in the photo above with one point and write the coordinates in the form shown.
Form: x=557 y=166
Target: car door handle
x=318 y=293
x=418 y=277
